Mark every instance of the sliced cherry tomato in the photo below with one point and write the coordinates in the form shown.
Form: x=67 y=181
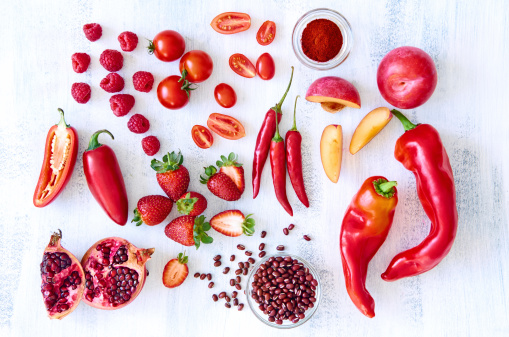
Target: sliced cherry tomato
x=225 y=95
x=242 y=66
x=231 y=22
x=170 y=93
x=198 y=66
x=266 y=33
x=265 y=67
x=167 y=46
x=202 y=136
x=226 y=126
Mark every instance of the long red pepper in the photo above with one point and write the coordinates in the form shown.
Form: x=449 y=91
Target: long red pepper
x=264 y=138
x=421 y=151
x=293 y=140
x=105 y=180
x=277 y=164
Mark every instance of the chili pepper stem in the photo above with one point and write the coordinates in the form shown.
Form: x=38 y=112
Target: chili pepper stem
x=277 y=108
x=94 y=142
x=294 y=127
x=385 y=188
x=277 y=137
x=402 y=118
x=62 y=124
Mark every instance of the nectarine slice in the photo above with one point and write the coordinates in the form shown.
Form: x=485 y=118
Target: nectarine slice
x=334 y=93
x=331 y=151
x=369 y=127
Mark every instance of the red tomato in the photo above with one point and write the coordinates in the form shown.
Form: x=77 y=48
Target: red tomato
x=167 y=46
x=266 y=33
x=231 y=22
x=198 y=65
x=225 y=95
x=265 y=66
x=242 y=66
x=202 y=136
x=170 y=93
x=226 y=126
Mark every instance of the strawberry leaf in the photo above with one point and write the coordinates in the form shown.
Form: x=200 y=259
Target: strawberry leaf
x=209 y=172
x=186 y=205
x=199 y=235
x=171 y=162
x=137 y=218
x=182 y=258
x=248 y=225
x=230 y=161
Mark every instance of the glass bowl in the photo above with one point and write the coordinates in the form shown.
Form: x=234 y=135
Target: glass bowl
x=344 y=27
x=286 y=323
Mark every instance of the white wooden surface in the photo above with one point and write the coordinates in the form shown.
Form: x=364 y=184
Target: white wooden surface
x=466 y=295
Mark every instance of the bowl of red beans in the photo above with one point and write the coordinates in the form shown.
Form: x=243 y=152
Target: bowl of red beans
x=283 y=291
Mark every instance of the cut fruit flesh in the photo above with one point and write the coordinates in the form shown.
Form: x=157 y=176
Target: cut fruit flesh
x=331 y=104
x=331 y=151
x=369 y=127
x=60 y=149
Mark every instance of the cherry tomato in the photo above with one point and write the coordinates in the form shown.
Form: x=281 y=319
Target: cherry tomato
x=226 y=126
x=242 y=66
x=170 y=93
x=231 y=22
x=266 y=33
x=167 y=46
x=265 y=67
x=198 y=66
x=225 y=95
x=202 y=136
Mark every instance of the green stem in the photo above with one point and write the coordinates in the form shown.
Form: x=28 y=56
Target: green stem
x=294 y=127
x=62 y=124
x=277 y=108
x=277 y=137
x=406 y=123
x=94 y=142
x=385 y=188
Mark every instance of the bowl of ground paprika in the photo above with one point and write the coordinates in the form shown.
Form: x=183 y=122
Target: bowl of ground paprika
x=322 y=39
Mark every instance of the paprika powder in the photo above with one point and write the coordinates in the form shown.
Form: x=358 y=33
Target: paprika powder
x=321 y=40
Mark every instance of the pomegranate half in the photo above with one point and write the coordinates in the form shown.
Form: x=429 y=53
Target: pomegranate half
x=114 y=273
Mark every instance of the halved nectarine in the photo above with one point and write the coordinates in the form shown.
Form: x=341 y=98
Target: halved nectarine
x=369 y=127
x=334 y=93
x=331 y=151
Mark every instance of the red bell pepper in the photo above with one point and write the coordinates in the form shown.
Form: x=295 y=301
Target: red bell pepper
x=421 y=151
x=61 y=151
x=105 y=180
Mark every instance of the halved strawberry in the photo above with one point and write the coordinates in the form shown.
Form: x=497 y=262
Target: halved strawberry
x=172 y=176
x=233 y=223
x=232 y=169
x=188 y=230
x=220 y=184
x=191 y=203
x=175 y=271
x=152 y=210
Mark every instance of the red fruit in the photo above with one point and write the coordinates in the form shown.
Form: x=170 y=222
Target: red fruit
x=233 y=223
x=63 y=279
x=220 y=184
x=188 y=230
x=93 y=31
x=232 y=169
x=121 y=104
x=150 y=145
x=81 y=92
x=171 y=175
x=143 y=81
x=113 y=82
x=128 y=41
x=110 y=265
x=192 y=203
x=175 y=272
x=80 y=62
x=138 y=124
x=111 y=60
x=152 y=210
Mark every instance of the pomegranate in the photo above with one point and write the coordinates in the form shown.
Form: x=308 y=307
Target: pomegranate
x=114 y=273
x=63 y=279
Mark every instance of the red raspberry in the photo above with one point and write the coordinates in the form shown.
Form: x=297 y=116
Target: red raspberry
x=150 y=145
x=121 y=104
x=93 y=31
x=138 y=124
x=80 y=62
x=81 y=92
x=128 y=41
x=143 y=81
x=111 y=60
x=113 y=82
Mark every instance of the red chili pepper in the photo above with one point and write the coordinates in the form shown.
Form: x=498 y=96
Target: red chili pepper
x=60 y=154
x=293 y=141
x=264 y=138
x=277 y=164
x=105 y=180
x=421 y=151
x=365 y=227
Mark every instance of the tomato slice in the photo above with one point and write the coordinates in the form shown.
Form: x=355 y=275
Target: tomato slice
x=242 y=66
x=202 y=136
x=266 y=33
x=226 y=126
x=231 y=22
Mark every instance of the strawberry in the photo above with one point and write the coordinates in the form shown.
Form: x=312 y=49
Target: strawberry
x=233 y=223
x=192 y=203
x=171 y=175
x=188 y=230
x=175 y=272
x=232 y=169
x=152 y=210
x=220 y=184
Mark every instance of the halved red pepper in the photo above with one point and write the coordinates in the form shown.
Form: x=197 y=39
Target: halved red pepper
x=60 y=154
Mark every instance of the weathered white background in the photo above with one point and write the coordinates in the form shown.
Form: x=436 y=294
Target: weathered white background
x=466 y=295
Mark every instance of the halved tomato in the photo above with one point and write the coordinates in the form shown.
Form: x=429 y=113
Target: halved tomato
x=242 y=66
x=202 y=136
x=266 y=33
x=231 y=22
x=226 y=126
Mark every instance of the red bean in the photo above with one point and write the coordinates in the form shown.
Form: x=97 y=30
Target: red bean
x=217 y=258
x=285 y=231
x=232 y=258
x=307 y=238
x=241 y=247
x=292 y=226
x=226 y=270
x=209 y=277
x=196 y=275
x=214 y=298
x=263 y=234
x=248 y=253
x=217 y=263
x=211 y=285
x=280 y=247
x=262 y=254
